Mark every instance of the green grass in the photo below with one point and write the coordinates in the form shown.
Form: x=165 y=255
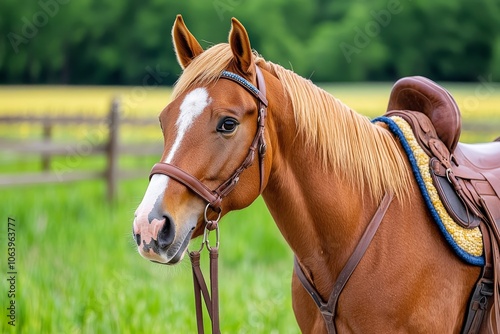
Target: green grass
x=79 y=272
x=78 y=268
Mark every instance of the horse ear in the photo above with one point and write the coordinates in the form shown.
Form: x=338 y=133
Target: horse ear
x=240 y=45
x=185 y=44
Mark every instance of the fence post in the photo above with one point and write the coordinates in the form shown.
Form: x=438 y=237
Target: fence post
x=47 y=136
x=112 y=149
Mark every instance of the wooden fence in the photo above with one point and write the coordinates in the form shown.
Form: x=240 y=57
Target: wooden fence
x=47 y=148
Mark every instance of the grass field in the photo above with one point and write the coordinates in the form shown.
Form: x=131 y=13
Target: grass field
x=77 y=266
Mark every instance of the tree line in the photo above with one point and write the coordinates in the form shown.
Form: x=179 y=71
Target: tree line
x=128 y=42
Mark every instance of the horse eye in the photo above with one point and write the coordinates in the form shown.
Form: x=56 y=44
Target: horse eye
x=227 y=125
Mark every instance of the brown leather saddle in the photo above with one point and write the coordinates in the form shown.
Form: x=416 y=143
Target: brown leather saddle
x=467 y=177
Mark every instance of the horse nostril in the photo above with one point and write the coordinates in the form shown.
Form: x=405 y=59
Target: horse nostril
x=137 y=237
x=166 y=234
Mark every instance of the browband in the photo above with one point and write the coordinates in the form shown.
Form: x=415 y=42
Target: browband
x=248 y=85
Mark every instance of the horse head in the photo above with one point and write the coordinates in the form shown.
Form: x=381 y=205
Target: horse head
x=213 y=131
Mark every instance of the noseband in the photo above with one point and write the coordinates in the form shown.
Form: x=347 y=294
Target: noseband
x=214 y=197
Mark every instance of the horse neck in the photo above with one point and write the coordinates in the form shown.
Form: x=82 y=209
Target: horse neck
x=319 y=215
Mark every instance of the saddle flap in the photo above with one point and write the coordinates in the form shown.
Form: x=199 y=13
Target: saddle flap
x=423 y=95
x=463 y=214
x=492 y=208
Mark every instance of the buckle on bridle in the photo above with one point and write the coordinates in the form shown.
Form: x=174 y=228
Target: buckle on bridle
x=206 y=239
x=211 y=225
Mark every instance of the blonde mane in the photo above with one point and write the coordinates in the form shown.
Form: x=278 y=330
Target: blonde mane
x=345 y=140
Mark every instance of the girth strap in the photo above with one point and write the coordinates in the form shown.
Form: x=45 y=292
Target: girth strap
x=328 y=310
x=483 y=293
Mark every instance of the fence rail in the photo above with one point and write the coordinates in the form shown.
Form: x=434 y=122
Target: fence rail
x=46 y=148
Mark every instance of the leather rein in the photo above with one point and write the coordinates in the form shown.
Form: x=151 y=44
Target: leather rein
x=214 y=201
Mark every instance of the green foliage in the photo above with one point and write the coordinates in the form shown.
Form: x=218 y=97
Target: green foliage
x=113 y=42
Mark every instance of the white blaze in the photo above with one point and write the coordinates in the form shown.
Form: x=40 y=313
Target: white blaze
x=193 y=105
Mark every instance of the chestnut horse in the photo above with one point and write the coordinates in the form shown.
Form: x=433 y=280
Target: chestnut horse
x=324 y=174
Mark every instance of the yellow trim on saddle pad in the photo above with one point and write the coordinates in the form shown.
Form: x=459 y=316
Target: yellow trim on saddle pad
x=469 y=240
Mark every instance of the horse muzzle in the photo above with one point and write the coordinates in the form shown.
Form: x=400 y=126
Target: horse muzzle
x=160 y=240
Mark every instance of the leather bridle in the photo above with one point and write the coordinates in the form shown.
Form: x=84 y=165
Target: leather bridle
x=214 y=197
x=214 y=201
